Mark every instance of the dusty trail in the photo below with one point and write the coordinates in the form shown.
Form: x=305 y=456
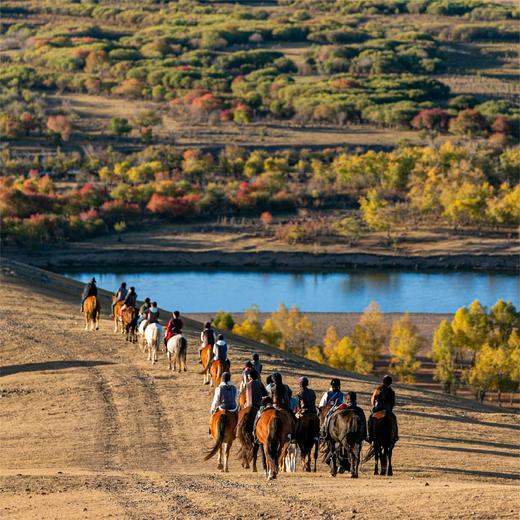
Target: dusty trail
x=89 y=429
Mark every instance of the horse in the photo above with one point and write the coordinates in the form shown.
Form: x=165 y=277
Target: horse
x=216 y=371
x=308 y=436
x=92 y=310
x=117 y=316
x=176 y=349
x=344 y=436
x=291 y=457
x=384 y=437
x=242 y=398
x=274 y=430
x=153 y=336
x=222 y=427
x=205 y=360
x=140 y=335
x=244 y=434
x=130 y=324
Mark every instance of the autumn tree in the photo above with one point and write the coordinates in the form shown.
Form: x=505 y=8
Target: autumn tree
x=471 y=327
x=369 y=336
x=223 y=320
x=60 y=125
x=297 y=330
x=444 y=354
x=119 y=126
x=405 y=343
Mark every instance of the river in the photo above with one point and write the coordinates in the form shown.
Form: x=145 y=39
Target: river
x=346 y=291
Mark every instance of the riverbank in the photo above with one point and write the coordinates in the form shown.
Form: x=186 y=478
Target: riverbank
x=247 y=246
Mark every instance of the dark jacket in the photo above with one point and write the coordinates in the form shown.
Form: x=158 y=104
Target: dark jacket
x=255 y=391
x=280 y=395
x=307 y=401
x=121 y=294
x=89 y=290
x=131 y=299
x=145 y=307
x=383 y=398
x=361 y=414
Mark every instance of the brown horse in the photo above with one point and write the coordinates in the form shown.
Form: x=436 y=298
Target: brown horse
x=274 y=430
x=242 y=398
x=92 y=310
x=130 y=315
x=384 y=435
x=308 y=436
x=222 y=427
x=117 y=314
x=344 y=438
x=205 y=361
x=216 y=371
x=244 y=433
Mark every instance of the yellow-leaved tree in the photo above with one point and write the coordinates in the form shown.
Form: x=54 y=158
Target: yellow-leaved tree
x=405 y=342
x=444 y=353
x=296 y=329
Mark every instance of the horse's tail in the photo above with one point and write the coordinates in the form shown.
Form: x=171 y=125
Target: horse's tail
x=370 y=454
x=221 y=429
x=273 y=441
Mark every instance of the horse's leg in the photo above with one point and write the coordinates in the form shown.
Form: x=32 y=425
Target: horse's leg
x=354 y=461
x=264 y=463
x=316 y=449
x=376 y=459
x=226 y=458
x=333 y=465
x=383 y=461
x=169 y=360
x=255 y=455
x=219 y=459
x=389 y=471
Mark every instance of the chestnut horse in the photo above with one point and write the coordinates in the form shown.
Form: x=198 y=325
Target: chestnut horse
x=308 y=437
x=92 y=310
x=222 y=429
x=384 y=437
x=130 y=315
x=117 y=318
x=216 y=371
x=344 y=440
x=205 y=361
x=274 y=430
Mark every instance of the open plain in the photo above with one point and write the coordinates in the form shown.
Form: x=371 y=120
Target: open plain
x=90 y=430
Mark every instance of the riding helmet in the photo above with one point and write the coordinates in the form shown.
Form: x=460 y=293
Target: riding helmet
x=335 y=382
x=387 y=380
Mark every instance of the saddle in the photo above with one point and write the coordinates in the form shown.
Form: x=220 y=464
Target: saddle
x=381 y=414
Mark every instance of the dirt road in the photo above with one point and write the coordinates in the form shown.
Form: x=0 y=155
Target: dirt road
x=89 y=429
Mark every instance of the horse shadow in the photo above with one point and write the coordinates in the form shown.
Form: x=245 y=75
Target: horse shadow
x=51 y=365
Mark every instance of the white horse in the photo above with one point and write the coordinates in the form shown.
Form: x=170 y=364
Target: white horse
x=291 y=457
x=176 y=349
x=153 y=337
x=140 y=335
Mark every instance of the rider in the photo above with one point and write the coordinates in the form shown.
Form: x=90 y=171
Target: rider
x=269 y=384
x=257 y=365
x=89 y=290
x=245 y=373
x=143 y=311
x=306 y=398
x=334 y=397
x=207 y=337
x=383 y=398
x=225 y=397
x=153 y=314
x=129 y=301
x=255 y=390
x=220 y=351
x=352 y=405
x=120 y=295
x=174 y=326
x=280 y=392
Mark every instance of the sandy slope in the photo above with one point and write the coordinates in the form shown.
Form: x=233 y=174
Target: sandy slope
x=89 y=430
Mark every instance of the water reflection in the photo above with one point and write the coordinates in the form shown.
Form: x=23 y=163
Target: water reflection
x=395 y=291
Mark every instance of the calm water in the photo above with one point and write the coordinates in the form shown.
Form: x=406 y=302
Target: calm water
x=349 y=291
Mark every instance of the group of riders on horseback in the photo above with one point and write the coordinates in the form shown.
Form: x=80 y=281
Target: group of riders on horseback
x=268 y=417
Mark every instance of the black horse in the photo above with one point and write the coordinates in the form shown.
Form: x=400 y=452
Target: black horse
x=384 y=436
x=343 y=442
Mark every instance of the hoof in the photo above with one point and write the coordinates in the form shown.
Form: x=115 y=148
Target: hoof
x=341 y=470
x=220 y=466
x=353 y=475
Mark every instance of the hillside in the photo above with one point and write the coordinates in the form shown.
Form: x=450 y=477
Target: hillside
x=88 y=429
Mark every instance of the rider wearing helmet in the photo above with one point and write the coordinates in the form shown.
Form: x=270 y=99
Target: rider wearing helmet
x=383 y=398
x=89 y=290
x=120 y=295
x=306 y=398
x=280 y=392
x=334 y=396
x=225 y=397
